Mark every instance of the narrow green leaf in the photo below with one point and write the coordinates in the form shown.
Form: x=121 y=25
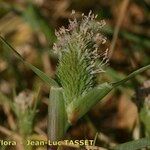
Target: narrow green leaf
x=81 y=106
x=77 y=108
x=41 y=74
x=133 y=74
x=56 y=114
x=135 y=145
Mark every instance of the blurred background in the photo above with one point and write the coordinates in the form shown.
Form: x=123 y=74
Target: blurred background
x=29 y=25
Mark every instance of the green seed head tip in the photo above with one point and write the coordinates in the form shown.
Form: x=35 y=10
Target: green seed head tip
x=80 y=56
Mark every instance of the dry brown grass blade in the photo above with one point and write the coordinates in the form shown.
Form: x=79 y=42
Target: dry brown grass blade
x=122 y=13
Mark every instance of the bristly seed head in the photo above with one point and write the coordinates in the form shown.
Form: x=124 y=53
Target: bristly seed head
x=80 y=56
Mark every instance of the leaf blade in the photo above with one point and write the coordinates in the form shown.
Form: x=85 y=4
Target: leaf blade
x=77 y=108
x=56 y=114
x=42 y=75
x=131 y=75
